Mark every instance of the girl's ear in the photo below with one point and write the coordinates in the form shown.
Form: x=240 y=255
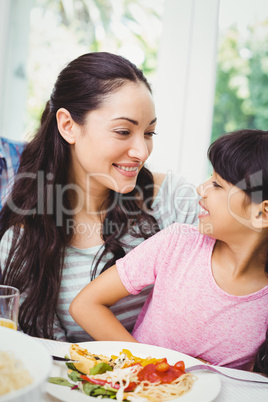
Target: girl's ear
x=65 y=124
x=260 y=219
x=265 y=213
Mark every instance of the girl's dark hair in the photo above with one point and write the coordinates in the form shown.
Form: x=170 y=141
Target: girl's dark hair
x=241 y=158
x=40 y=218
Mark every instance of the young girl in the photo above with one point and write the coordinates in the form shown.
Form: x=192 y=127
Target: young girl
x=210 y=296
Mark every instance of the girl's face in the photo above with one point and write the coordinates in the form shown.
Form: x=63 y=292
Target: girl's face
x=225 y=209
x=115 y=141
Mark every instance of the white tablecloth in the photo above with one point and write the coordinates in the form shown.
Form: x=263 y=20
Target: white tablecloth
x=231 y=390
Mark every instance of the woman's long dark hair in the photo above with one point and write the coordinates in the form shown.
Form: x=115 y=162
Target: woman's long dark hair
x=35 y=212
x=241 y=158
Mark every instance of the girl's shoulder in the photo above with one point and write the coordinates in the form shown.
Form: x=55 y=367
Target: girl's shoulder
x=184 y=233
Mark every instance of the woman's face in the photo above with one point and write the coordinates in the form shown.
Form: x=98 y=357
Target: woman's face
x=115 y=141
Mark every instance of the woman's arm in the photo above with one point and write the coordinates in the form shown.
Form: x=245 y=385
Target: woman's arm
x=90 y=308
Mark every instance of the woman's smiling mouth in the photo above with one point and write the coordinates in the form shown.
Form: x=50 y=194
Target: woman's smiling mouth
x=128 y=169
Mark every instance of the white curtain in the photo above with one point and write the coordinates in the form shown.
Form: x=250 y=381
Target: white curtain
x=184 y=91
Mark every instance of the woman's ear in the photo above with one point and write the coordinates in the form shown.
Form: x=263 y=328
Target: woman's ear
x=65 y=125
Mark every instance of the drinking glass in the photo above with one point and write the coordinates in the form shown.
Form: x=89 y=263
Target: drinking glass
x=9 y=306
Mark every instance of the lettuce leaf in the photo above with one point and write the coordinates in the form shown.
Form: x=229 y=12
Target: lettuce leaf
x=60 y=381
x=100 y=368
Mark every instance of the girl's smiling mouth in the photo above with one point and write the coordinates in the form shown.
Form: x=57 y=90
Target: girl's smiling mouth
x=204 y=212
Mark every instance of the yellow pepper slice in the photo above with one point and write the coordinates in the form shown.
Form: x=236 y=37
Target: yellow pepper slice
x=143 y=362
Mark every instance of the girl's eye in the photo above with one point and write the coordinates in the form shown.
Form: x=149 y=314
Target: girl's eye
x=150 y=134
x=215 y=184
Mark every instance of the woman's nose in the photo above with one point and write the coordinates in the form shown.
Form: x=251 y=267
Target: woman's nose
x=139 y=149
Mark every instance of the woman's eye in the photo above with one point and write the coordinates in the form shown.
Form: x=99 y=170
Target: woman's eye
x=150 y=134
x=215 y=184
x=123 y=132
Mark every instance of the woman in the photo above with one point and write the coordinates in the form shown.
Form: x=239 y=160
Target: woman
x=83 y=197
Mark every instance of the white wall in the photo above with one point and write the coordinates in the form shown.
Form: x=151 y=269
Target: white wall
x=13 y=54
x=184 y=91
x=4 y=18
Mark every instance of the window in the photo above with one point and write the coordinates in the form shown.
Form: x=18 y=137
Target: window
x=63 y=30
x=42 y=36
x=241 y=98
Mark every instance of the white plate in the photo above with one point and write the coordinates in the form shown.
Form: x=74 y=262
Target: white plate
x=205 y=389
x=36 y=360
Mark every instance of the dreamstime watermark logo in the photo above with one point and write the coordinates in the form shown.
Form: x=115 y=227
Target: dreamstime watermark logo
x=179 y=199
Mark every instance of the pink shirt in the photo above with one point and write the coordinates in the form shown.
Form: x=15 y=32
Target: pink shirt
x=187 y=311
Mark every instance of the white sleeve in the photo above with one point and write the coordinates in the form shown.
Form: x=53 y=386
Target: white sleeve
x=176 y=201
x=5 y=246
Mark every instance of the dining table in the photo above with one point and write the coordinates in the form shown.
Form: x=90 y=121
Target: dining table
x=231 y=390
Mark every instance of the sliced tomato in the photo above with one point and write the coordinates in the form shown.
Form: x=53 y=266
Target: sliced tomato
x=162 y=367
x=163 y=360
x=180 y=365
x=131 y=386
x=99 y=382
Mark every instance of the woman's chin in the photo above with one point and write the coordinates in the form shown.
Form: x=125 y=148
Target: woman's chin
x=126 y=190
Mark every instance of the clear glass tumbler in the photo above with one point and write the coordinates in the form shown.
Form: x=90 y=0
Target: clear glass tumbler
x=9 y=306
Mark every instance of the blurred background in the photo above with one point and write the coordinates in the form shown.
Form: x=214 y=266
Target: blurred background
x=207 y=62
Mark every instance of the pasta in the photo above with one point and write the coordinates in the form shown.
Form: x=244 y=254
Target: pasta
x=127 y=377
x=165 y=392
x=13 y=375
x=155 y=392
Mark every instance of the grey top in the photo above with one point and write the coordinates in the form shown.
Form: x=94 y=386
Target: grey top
x=176 y=201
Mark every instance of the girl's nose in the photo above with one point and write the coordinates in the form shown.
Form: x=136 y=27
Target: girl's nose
x=202 y=189
x=139 y=149
x=199 y=190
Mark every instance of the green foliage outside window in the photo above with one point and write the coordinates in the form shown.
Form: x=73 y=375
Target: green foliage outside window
x=241 y=94
x=61 y=30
